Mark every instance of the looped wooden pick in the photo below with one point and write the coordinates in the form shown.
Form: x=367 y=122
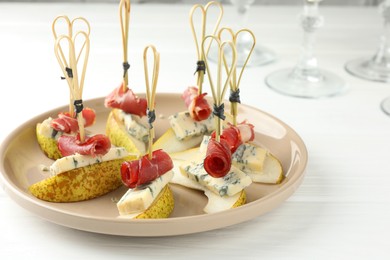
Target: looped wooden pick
x=235 y=82
x=70 y=70
x=198 y=42
x=151 y=90
x=219 y=91
x=124 y=16
x=69 y=28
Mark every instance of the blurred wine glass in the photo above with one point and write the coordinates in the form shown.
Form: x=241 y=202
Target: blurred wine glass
x=306 y=79
x=261 y=55
x=376 y=67
x=385 y=105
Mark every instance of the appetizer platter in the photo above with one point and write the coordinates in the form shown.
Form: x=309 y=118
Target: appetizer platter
x=22 y=167
x=110 y=165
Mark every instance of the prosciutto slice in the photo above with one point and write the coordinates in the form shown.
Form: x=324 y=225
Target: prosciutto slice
x=139 y=172
x=126 y=101
x=94 y=145
x=247 y=131
x=237 y=135
x=197 y=104
x=218 y=158
x=68 y=124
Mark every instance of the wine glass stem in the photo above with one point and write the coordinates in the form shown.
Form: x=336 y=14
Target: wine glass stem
x=307 y=66
x=307 y=61
x=243 y=44
x=382 y=56
x=242 y=11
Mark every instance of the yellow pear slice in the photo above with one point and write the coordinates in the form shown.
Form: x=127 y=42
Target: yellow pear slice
x=170 y=144
x=217 y=203
x=119 y=137
x=179 y=158
x=186 y=155
x=272 y=171
x=161 y=207
x=81 y=183
x=48 y=144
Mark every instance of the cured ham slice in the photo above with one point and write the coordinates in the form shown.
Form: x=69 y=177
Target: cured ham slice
x=68 y=124
x=138 y=172
x=231 y=136
x=126 y=101
x=197 y=105
x=94 y=145
x=218 y=158
x=247 y=132
x=219 y=154
x=237 y=135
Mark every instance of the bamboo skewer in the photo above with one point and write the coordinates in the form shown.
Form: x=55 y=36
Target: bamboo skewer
x=70 y=70
x=235 y=83
x=69 y=24
x=198 y=42
x=219 y=91
x=151 y=90
x=124 y=15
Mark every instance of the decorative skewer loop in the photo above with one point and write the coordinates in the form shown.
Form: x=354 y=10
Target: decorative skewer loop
x=235 y=82
x=70 y=70
x=124 y=15
x=151 y=90
x=219 y=90
x=70 y=27
x=69 y=32
x=200 y=69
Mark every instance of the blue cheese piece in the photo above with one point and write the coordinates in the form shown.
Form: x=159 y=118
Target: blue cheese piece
x=46 y=130
x=137 y=200
x=229 y=185
x=75 y=161
x=249 y=158
x=134 y=126
x=185 y=127
x=180 y=158
x=258 y=163
x=180 y=179
x=204 y=144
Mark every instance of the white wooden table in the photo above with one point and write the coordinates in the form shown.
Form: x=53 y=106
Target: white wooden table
x=342 y=209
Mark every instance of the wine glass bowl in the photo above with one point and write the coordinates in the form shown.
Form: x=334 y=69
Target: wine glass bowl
x=306 y=79
x=261 y=55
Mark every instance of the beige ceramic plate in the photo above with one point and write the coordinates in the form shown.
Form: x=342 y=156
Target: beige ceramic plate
x=21 y=159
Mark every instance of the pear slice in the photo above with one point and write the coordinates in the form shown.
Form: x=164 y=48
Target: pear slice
x=170 y=144
x=217 y=203
x=119 y=137
x=258 y=163
x=180 y=158
x=186 y=155
x=48 y=145
x=272 y=171
x=152 y=200
x=161 y=207
x=81 y=183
